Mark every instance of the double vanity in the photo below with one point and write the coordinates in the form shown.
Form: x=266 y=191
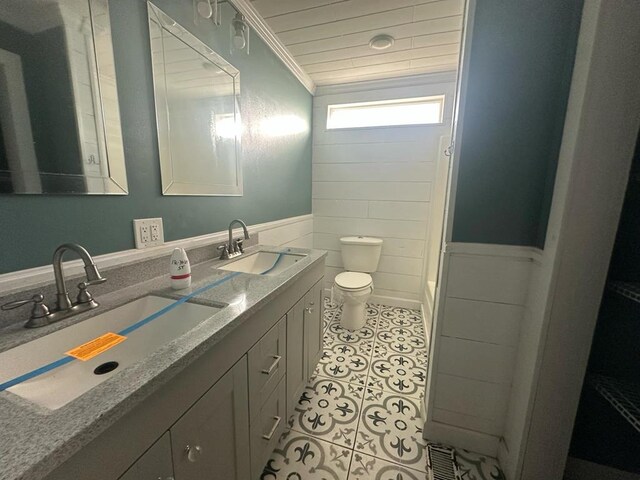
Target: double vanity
x=198 y=384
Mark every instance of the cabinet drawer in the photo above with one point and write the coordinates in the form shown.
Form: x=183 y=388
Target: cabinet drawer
x=267 y=428
x=267 y=365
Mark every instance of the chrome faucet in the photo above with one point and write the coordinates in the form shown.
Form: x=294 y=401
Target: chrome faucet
x=63 y=302
x=41 y=315
x=234 y=248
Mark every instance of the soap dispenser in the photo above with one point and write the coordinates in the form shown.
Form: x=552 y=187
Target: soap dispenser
x=180 y=269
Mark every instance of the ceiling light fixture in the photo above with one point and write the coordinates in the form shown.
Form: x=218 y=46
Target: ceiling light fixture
x=381 y=42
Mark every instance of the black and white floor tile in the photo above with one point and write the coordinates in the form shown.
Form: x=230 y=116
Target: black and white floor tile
x=329 y=410
x=359 y=416
x=344 y=362
x=398 y=374
x=302 y=457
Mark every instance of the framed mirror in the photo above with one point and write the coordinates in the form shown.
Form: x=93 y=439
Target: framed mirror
x=197 y=112
x=59 y=117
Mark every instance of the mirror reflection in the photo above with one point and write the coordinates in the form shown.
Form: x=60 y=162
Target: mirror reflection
x=197 y=112
x=59 y=118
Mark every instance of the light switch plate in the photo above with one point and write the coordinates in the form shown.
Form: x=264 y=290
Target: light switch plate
x=148 y=232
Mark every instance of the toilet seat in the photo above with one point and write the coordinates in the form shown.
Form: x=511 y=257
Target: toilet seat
x=353 y=281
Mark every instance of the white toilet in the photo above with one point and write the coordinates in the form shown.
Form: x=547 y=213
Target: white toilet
x=360 y=256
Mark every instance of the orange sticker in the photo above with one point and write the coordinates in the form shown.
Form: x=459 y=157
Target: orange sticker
x=96 y=346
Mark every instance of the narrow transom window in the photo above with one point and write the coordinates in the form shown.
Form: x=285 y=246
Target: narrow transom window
x=405 y=111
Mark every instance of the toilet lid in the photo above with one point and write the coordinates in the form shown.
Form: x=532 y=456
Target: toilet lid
x=353 y=280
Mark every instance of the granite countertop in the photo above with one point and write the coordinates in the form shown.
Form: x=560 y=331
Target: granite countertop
x=35 y=440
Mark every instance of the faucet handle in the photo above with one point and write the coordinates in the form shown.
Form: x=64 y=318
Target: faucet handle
x=39 y=308
x=84 y=296
x=238 y=245
x=224 y=249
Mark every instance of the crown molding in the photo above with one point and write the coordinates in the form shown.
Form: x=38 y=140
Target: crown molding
x=271 y=39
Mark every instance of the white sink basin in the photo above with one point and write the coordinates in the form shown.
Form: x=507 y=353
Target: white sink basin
x=264 y=263
x=62 y=384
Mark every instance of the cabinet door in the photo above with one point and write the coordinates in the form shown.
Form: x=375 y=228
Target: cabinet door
x=155 y=464
x=313 y=327
x=296 y=360
x=211 y=440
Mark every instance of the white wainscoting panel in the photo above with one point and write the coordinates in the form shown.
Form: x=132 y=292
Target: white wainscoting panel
x=489 y=322
x=378 y=182
x=291 y=232
x=479 y=319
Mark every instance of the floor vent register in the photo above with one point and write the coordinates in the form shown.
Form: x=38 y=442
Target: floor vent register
x=442 y=463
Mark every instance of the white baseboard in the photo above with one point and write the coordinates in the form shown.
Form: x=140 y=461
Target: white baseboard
x=461 y=438
x=426 y=325
x=32 y=277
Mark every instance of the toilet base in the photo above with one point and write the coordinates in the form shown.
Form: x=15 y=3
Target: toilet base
x=353 y=315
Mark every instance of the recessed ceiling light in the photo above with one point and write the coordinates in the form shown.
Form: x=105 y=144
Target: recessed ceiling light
x=381 y=42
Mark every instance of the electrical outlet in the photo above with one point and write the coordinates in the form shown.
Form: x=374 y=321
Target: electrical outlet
x=148 y=232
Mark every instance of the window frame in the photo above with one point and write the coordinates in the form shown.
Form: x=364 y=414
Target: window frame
x=440 y=98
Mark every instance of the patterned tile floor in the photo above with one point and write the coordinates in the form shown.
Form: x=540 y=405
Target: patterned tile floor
x=359 y=416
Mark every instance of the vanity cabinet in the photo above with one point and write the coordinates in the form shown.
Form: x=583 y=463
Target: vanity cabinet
x=267 y=365
x=211 y=440
x=155 y=464
x=304 y=343
x=296 y=362
x=222 y=416
x=313 y=313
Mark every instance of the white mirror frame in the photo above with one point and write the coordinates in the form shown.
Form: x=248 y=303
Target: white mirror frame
x=169 y=185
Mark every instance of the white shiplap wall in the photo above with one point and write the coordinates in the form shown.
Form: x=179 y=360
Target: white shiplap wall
x=378 y=181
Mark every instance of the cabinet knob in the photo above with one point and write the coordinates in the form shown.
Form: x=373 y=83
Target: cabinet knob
x=308 y=310
x=193 y=452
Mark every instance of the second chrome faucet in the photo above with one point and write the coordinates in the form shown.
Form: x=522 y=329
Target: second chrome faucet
x=234 y=248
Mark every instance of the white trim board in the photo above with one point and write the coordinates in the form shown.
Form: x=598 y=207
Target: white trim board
x=269 y=37
x=19 y=280
x=494 y=250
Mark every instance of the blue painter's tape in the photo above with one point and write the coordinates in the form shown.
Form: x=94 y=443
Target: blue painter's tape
x=35 y=373
x=170 y=307
x=64 y=360
x=280 y=255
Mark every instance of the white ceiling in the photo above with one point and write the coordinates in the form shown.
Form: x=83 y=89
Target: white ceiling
x=329 y=39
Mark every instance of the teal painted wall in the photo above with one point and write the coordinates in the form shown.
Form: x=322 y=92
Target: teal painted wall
x=277 y=171
x=520 y=68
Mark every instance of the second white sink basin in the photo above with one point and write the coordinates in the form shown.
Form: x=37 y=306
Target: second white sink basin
x=264 y=263
x=61 y=384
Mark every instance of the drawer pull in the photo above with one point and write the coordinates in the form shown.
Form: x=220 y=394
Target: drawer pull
x=276 y=361
x=273 y=429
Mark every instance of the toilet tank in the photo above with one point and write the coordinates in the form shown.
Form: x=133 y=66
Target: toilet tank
x=361 y=254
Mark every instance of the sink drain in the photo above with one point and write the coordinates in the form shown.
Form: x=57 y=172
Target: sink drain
x=105 y=368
